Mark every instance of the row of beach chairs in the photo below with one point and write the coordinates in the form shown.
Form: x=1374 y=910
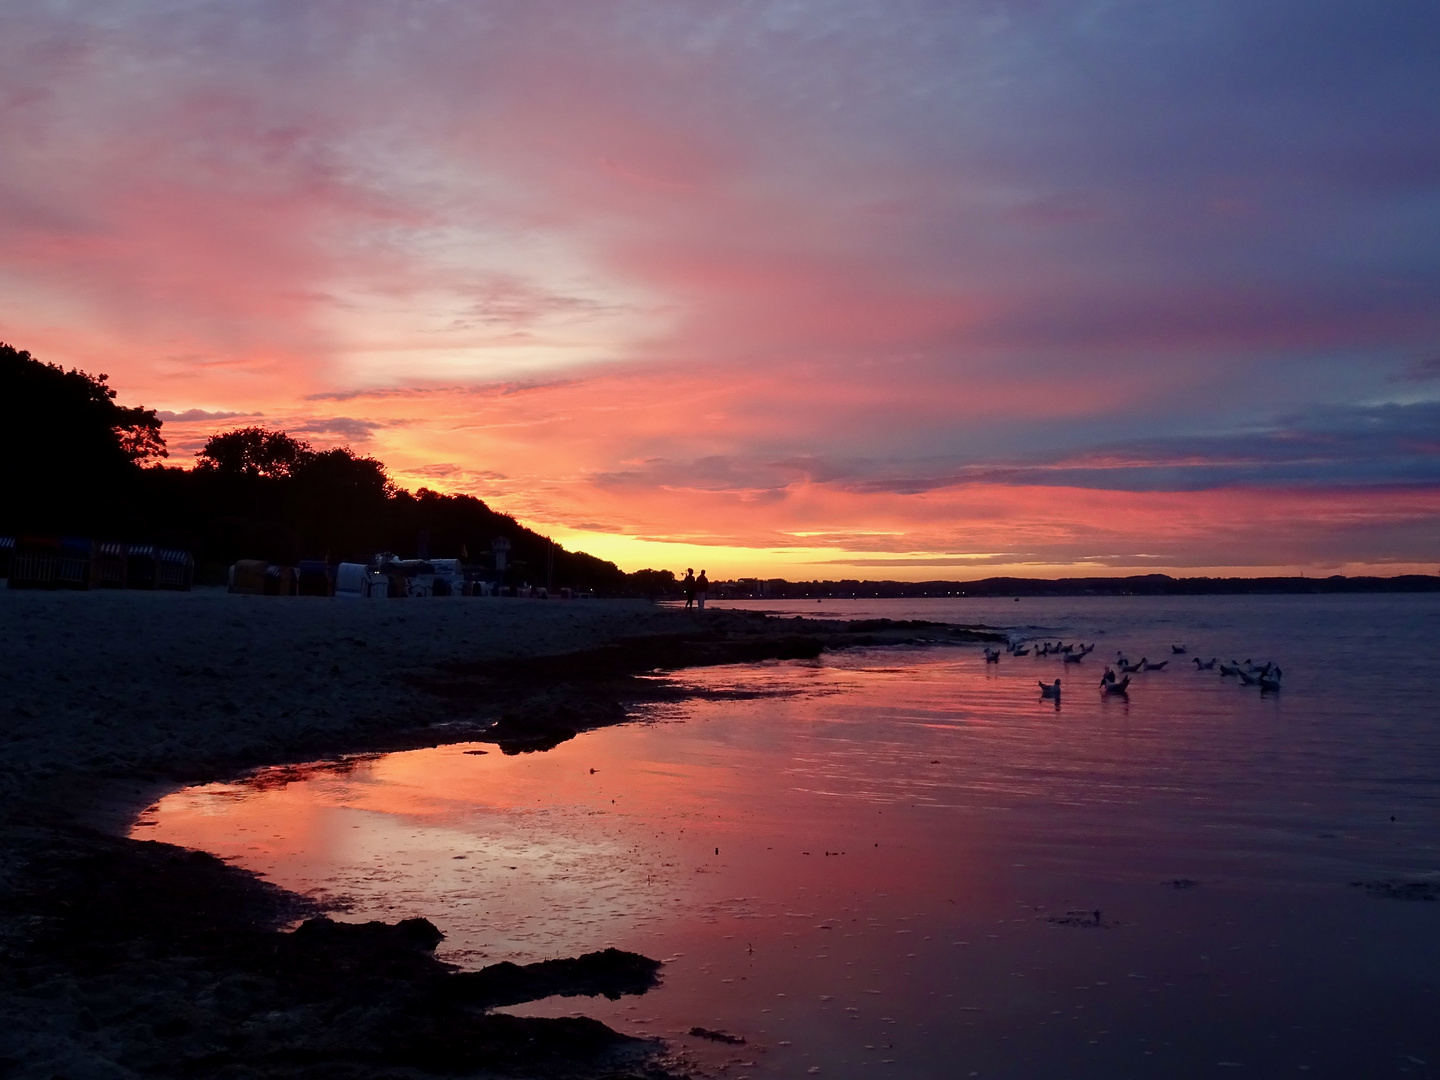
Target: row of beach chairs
x=390 y=578
x=70 y=562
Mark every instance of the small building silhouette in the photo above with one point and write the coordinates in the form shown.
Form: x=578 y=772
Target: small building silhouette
x=500 y=547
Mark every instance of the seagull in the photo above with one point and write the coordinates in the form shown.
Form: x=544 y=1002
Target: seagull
x=1074 y=658
x=1202 y=666
x=1127 y=668
x=1269 y=683
x=1145 y=665
x=992 y=656
x=1047 y=690
x=1088 y=648
x=1247 y=678
x=1178 y=650
x=1116 y=687
x=1020 y=652
x=1231 y=668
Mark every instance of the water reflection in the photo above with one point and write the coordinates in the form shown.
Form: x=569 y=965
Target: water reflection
x=872 y=869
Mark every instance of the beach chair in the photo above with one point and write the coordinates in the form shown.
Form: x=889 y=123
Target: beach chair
x=174 y=569
x=110 y=564
x=35 y=562
x=282 y=581
x=75 y=565
x=352 y=580
x=247 y=577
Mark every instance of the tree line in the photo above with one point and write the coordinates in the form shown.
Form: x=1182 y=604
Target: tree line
x=75 y=462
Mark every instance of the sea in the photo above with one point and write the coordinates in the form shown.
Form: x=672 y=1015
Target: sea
x=906 y=862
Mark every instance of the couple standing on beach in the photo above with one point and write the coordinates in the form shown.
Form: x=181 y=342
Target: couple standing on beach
x=696 y=589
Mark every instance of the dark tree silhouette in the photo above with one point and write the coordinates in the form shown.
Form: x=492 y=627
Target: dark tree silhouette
x=68 y=453
x=51 y=407
x=341 y=470
x=340 y=501
x=253 y=451
x=653 y=583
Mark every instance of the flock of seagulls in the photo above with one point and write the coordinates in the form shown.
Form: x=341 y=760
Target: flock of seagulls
x=1266 y=676
x=1116 y=680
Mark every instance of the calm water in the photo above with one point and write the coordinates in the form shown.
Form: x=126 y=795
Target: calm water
x=890 y=866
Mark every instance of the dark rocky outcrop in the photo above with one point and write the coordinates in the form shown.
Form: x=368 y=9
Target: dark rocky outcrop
x=171 y=963
x=610 y=972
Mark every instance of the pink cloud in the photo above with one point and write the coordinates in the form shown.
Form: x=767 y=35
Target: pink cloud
x=708 y=276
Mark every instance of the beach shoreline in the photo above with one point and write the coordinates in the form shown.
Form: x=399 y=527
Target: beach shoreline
x=115 y=698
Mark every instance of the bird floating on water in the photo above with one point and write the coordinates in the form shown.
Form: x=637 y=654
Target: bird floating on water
x=992 y=656
x=1145 y=665
x=1115 y=687
x=1178 y=650
x=1049 y=690
x=1074 y=658
x=1201 y=665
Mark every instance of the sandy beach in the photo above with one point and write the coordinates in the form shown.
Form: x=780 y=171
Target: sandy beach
x=171 y=686
x=118 y=953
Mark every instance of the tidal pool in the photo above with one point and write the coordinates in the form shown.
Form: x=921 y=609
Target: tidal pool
x=906 y=863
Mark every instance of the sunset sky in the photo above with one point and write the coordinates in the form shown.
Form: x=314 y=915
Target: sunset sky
x=883 y=289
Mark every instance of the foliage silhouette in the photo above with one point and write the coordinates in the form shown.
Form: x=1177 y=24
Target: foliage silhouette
x=76 y=462
x=67 y=449
x=253 y=451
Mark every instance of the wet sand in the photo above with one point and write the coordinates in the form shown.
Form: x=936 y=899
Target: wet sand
x=124 y=958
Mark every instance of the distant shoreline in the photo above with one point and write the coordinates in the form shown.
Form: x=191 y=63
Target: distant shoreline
x=1138 y=585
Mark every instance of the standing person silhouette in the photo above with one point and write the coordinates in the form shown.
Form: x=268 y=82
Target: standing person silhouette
x=689 y=586
x=702 y=590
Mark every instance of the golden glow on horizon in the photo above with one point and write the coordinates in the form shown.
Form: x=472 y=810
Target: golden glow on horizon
x=825 y=564
x=537 y=443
